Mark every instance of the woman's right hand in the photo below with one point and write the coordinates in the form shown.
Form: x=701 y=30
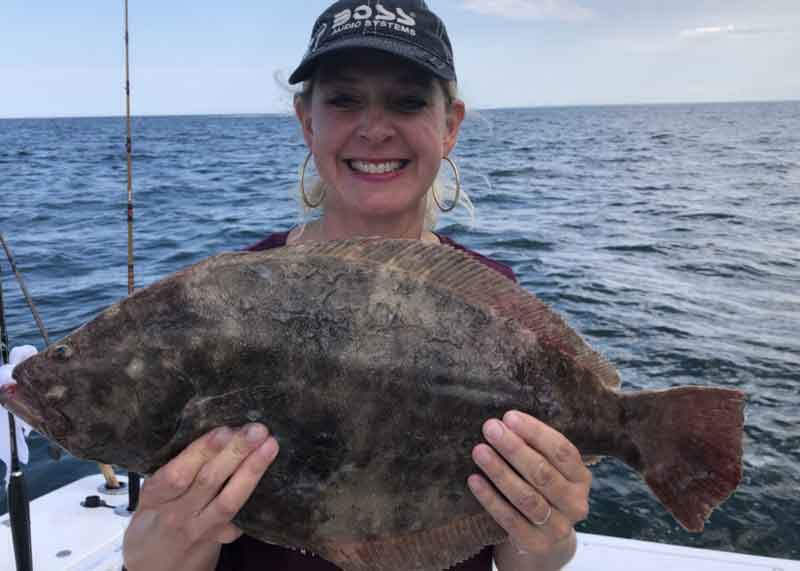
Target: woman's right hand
x=186 y=507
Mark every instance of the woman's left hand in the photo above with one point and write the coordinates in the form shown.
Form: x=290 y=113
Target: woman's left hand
x=540 y=486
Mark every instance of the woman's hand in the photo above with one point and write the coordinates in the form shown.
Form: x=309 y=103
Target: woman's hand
x=186 y=507
x=541 y=490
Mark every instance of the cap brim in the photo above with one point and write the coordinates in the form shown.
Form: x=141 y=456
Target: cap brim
x=406 y=51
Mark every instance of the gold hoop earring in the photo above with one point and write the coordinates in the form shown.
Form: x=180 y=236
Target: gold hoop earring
x=458 y=188
x=306 y=201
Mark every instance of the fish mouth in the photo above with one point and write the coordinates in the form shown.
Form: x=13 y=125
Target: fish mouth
x=23 y=400
x=12 y=399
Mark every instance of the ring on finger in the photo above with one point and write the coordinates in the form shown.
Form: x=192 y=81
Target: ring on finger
x=546 y=517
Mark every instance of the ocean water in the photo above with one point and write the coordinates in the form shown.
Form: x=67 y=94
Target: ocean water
x=668 y=235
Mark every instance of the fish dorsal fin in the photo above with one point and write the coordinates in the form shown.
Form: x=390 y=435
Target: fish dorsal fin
x=476 y=283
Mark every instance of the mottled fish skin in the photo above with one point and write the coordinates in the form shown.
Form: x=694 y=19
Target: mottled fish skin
x=373 y=376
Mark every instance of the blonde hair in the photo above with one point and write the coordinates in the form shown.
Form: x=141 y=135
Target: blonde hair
x=316 y=189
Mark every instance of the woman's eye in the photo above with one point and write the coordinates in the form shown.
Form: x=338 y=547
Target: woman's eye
x=410 y=103
x=342 y=101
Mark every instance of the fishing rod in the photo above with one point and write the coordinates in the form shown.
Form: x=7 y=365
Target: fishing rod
x=25 y=293
x=18 y=506
x=134 y=479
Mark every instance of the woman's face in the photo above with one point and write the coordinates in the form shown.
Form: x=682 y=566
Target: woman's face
x=378 y=128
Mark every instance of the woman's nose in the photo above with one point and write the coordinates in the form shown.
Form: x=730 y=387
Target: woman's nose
x=376 y=125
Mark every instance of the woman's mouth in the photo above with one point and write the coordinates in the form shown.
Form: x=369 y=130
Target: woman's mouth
x=371 y=167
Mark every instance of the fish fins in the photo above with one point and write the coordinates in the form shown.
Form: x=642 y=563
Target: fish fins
x=687 y=443
x=430 y=550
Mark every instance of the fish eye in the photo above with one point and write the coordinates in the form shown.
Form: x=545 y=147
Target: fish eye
x=63 y=352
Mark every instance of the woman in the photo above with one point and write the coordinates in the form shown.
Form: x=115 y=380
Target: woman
x=379 y=113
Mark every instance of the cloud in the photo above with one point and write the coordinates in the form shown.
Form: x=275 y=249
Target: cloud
x=720 y=31
x=529 y=9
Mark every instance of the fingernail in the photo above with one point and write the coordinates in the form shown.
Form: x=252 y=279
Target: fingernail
x=494 y=430
x=255 y=433
x=482 y=455
x=269 y=449
x=475 y=483
x=222 y=436
x=512 y=418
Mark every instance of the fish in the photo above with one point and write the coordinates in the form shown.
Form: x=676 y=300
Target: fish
x=375 y=363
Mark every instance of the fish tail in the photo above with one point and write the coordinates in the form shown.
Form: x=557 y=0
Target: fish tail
x=687 y=443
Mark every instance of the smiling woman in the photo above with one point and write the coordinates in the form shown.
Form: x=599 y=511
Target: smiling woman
x=379 y=114
x=377 y=127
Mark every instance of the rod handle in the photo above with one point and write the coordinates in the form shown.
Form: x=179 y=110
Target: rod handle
x=134 y=483
x=19 y=513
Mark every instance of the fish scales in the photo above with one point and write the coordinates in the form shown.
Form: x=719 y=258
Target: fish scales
x=374 y=363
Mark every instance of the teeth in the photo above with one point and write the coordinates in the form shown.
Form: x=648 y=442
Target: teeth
x=375 y=168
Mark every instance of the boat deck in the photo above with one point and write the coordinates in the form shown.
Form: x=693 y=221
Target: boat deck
x=69 y=537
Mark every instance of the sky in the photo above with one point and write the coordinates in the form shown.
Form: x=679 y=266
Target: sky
x=62 y=58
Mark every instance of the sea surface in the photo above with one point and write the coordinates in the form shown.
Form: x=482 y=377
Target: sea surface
x=668 y=235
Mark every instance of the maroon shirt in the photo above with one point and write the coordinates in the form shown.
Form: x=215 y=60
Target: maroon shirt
x=248 y=554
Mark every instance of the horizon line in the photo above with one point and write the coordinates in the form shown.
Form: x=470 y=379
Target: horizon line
x=477 y=109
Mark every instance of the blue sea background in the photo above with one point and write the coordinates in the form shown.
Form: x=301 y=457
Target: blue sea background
x=668 y=235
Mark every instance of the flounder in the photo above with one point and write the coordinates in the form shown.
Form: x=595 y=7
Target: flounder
x=374 y=363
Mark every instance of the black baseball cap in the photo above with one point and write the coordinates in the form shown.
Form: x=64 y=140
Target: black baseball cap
x=405 y=28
